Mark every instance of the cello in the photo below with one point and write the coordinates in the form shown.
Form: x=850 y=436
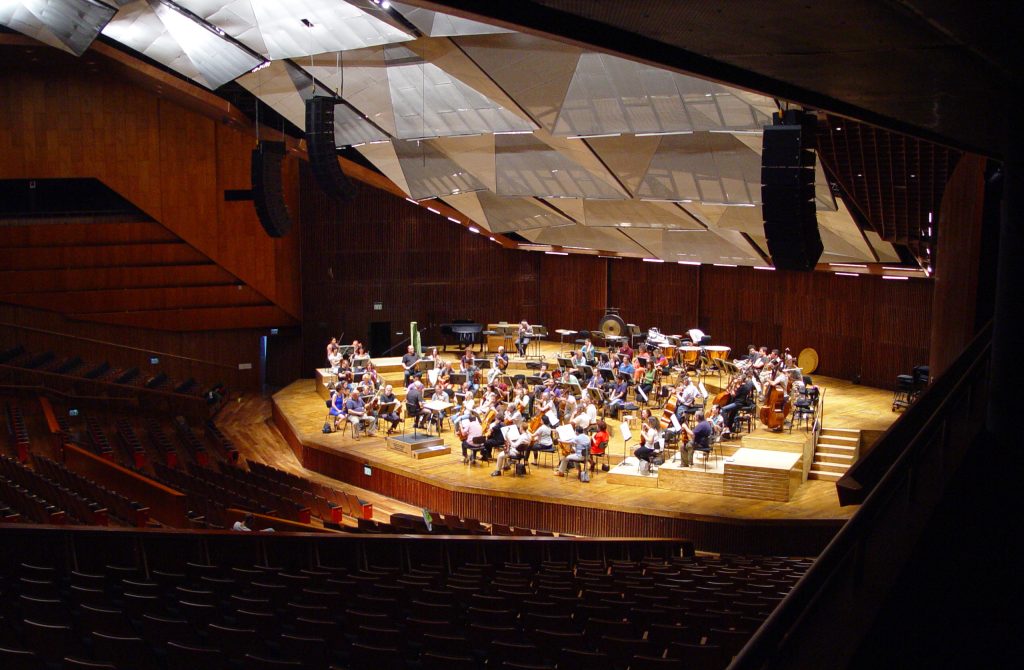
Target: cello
x=777 y=407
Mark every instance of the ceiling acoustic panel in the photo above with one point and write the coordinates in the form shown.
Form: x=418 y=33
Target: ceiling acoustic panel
x=506 y=215
x=299 y=27
x=713 y=168
x=430 y=173
x=609 y=95
x=429 y=102
x=636 y=214
x=526 y=166
x=436 y=24
x=162 y=32
x=70 y=25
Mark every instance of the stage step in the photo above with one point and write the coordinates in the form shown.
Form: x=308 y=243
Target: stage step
x=430 y=452
x=836 y=450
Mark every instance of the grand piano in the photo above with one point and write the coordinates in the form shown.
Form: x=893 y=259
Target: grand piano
x=462 y=333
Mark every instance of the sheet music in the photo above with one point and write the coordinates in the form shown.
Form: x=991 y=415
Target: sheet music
x=624 y=430
x=510 y=432
x=696 y=334
x=432 y=376
x=703 y=389
x=566 y=433
x=552 y=416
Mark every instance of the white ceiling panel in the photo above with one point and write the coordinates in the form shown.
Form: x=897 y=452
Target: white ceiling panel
x=298 y=27
x=70 y=25
x=436 y=24
x=703 y=167
x=526 y=166
x=430 y=173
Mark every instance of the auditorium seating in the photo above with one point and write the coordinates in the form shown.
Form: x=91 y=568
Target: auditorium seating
x=389 y=602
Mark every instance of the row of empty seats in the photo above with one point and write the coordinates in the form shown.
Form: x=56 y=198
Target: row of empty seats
x=663 y=611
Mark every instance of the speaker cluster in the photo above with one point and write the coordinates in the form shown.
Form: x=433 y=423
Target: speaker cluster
x=787 y=191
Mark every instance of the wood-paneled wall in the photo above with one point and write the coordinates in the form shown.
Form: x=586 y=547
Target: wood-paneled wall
x=68 y=117
x=425 y=268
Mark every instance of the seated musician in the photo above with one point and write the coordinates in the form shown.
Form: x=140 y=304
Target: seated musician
x=513 y=449
x=741 y=397
x=700 y=439
x=470 y=429
x=333 y=348
x=543 y=373
x=715 y=418
x=495 y=438
x=389 y=408
x=357 y=349
x=626 y=368
x=617 y=398
x=345 y=371
x=375 y=378
x=358 y=416
x=465 y=410
x=686 y=398
x=580 y=452
x=409 y=361
x=334 y=358
x=337 y=407
x=626 y=350
x=651 y=442
x=543 y=439
x=588 y=351
x=544 y=404
x=577 y=358
x=599 y=443
x=568 y=405
x=435 y=357
x=523 y=338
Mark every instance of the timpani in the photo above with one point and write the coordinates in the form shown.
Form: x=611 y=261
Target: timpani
x=717 y=352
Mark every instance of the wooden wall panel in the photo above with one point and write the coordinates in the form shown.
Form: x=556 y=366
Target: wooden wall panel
x=64 y=118
x=665 y=295
x=572 y=292
x=208 y=356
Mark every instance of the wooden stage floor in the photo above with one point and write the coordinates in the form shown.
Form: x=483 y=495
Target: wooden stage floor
x=541 y=500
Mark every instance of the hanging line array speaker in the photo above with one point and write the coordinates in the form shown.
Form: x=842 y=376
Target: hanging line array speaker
x=266 y=188
x=787 y=191
x=323 y=155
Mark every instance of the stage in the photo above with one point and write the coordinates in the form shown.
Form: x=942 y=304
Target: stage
x=714 y=521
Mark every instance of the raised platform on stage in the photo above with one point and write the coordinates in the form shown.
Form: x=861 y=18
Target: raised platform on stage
x=719 y=522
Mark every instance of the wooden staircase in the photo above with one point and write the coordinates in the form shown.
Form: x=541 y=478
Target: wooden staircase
x=837 y=450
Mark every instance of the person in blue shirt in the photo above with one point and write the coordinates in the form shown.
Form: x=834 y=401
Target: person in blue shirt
x=701 y=440
x=358 y=416
x=337 y=407
x=626 y=368
x=580 y=452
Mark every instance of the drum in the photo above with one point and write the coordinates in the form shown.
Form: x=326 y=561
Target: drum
x=717 y=352
x=690 y=355
x=669 y=351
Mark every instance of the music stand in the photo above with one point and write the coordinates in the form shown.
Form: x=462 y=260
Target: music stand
x=627 y=435
x=607 y=375
x=539 y=333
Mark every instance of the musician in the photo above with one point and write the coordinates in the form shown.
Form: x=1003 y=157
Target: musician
x=543 y=372
x=587 y=417
x=686 y=398
x=599 y=443
x=371 y=372
x=470 y=430
x=498 y=366
x=543 y=439
x=334 y=357
x=580 y=453
x=625 y=350
x=740 y=398
x=357 y=349
x=588 y=351
x=466 y=410
x=617 y=398
x=780 y=379
x=333 y=348
x=358 y=416
x=626 y=368
x=337 y=407
x=568 y=405
x=389 y=408
x=651 y=441
x=409 y=361
x=414 y=403
x=577 y=358
x=700 y=438
x=645 y=379
x=545 y=403
x=523 y=339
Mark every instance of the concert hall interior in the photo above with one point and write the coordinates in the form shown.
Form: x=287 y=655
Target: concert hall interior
x=537 y=334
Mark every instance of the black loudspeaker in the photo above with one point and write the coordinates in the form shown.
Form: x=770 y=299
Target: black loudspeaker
x=266 y=188
x=787 y=192
x=323 y=156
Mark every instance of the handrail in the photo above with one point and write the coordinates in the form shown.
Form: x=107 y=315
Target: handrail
x=147 y=352
x=920 y=429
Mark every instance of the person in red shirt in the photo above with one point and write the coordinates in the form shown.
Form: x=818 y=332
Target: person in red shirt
x=599 y=443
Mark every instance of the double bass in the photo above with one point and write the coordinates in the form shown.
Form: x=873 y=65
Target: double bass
x=776 y=408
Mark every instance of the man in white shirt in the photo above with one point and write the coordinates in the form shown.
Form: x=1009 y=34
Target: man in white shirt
x=470 y=430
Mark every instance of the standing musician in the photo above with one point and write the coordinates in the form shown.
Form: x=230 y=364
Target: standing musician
x=467 y=365
x=523 y=339
x=409 y=361
x=498 y=366
x=588 y=351
x=414 y=403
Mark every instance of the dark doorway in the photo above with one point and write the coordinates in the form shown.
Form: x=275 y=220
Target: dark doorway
x=380 y=338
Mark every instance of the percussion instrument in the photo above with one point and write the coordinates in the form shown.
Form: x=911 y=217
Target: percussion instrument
x=717 y=352
x=690 y=355
x=808 y=360
x=611 y=323
x=669 y=351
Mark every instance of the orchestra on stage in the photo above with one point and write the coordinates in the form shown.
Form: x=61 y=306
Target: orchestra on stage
x=515 y=416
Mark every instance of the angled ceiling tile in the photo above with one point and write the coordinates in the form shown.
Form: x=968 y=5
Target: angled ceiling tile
x=437 y=24
x=69 y=25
